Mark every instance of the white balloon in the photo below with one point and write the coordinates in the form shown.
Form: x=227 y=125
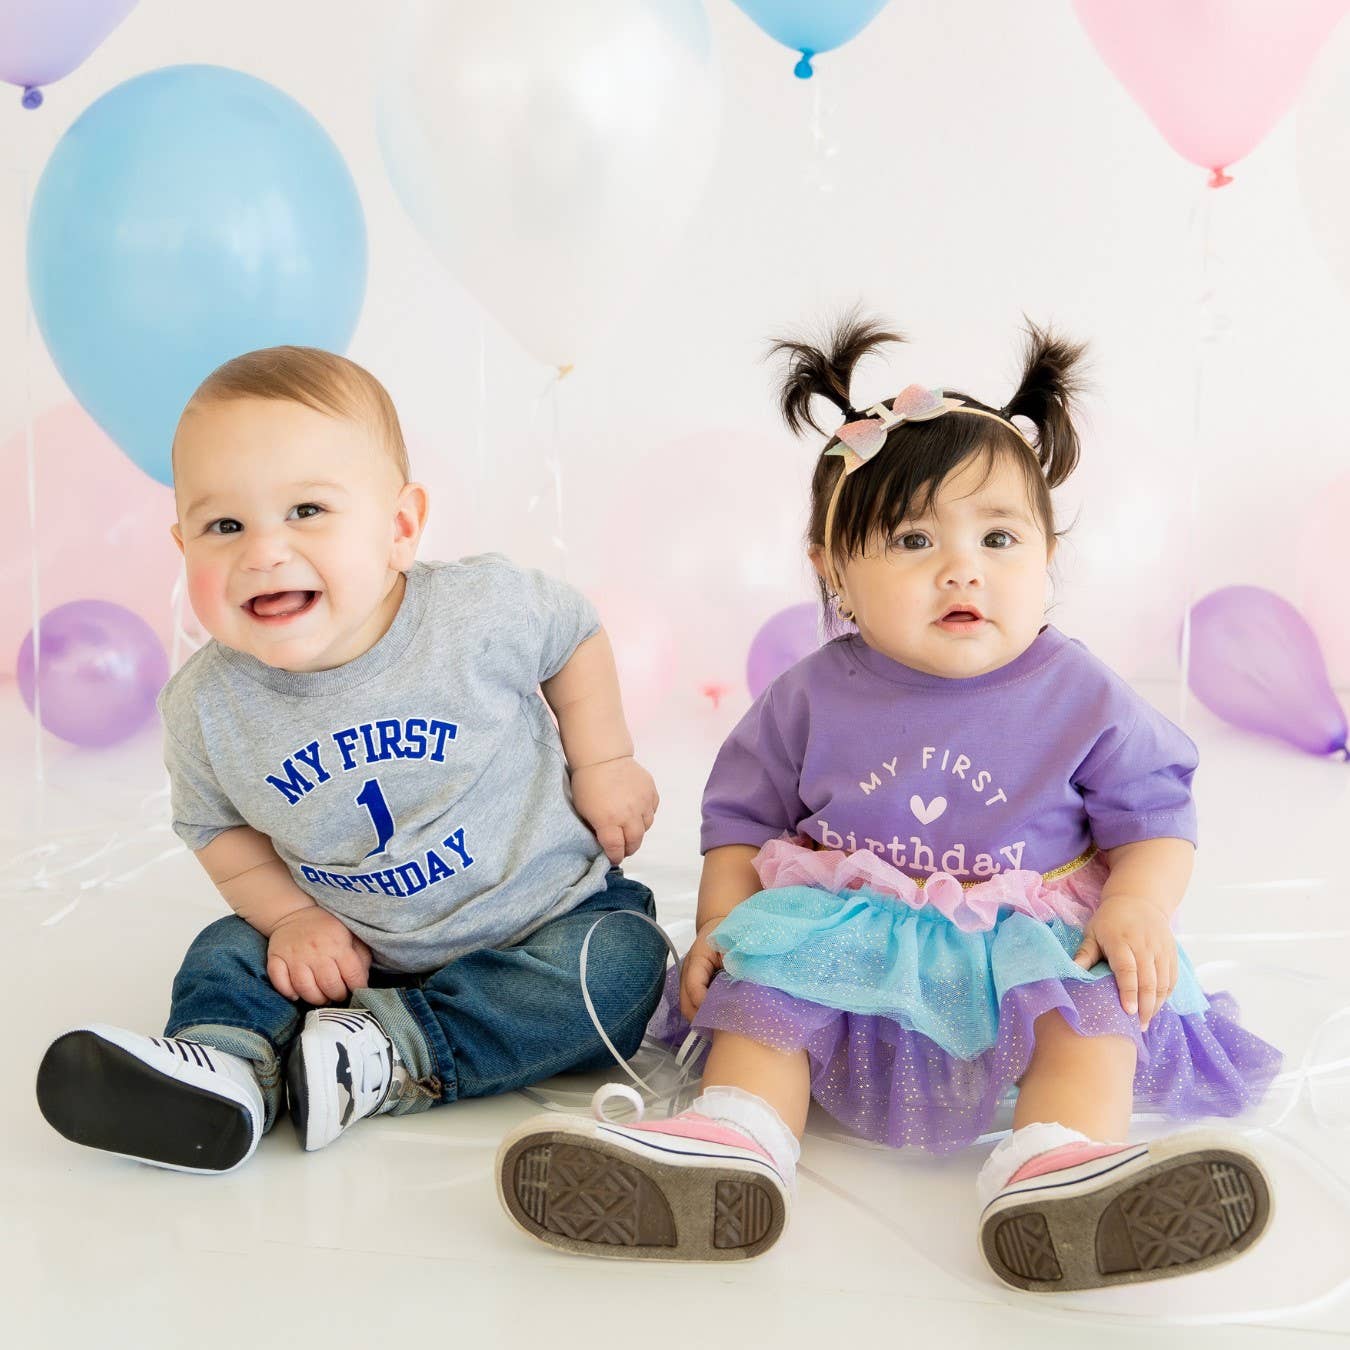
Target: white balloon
x=552 y=153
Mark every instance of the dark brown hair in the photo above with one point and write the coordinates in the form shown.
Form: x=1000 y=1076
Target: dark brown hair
x=904 y=476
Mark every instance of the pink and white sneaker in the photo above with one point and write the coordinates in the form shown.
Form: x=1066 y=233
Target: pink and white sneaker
x=1087 y=1215
x=684 y=1189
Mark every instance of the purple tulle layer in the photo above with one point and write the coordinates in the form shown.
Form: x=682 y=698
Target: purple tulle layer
x=897 y=1087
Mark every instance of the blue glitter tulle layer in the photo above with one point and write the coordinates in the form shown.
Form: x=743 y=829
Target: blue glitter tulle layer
x=868 y=954
x=916 y=1030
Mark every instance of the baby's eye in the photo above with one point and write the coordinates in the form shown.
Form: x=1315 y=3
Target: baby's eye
x=225 y=525
x=999 y=534
x=306 y=510
x=907 y=541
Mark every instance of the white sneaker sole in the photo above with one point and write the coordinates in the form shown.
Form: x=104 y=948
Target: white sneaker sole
x=1180 y=1204
x=94 y=1088
x=599 y=1189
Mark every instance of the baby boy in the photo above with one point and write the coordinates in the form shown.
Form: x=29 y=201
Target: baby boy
x=361 y=760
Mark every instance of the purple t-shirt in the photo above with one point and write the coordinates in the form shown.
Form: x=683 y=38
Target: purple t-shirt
x=1026 y=766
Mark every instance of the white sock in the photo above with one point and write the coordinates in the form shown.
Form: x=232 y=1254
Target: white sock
x=1018 y=1149
x=753 y=1116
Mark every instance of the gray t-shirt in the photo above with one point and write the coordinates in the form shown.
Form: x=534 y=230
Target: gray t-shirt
x=419 y=792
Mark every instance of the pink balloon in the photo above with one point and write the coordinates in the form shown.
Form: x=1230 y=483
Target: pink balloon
x=646 y=651
x=1214 y=77
x=103 y=529
x=44 y=40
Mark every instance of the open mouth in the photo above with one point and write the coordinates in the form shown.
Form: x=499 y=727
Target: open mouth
x=957 y=618
x=281 y=606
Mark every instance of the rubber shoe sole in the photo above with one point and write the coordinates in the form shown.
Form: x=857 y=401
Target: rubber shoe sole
x=594 y=1191
x=1183 y=1204
x=97 y=1094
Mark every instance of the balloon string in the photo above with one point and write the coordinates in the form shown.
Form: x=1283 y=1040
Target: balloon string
x=819 y=184
x=39 y=764
x=1207 y=329
x=480 y=448
x=555 y=467
x=553 y=460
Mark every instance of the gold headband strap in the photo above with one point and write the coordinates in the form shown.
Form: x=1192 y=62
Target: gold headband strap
x=860 y=440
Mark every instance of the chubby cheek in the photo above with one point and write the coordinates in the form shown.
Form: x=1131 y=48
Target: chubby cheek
x=206 y=594
x=350 y=576
x=901 y=602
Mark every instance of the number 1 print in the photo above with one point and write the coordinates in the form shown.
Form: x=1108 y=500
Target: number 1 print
x=372 y=799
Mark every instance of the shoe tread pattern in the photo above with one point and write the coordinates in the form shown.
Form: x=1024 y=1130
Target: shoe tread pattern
x=1023 y=1245
x=1182 y=1216
x=1185 y=1215
x=588 y=1198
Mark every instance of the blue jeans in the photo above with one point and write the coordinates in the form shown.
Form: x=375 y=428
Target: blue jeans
x=492 y=1021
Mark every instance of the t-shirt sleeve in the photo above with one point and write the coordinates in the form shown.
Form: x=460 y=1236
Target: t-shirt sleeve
x=200 y=808
x=1136 y=780
x=753 y=794
x=552 y=620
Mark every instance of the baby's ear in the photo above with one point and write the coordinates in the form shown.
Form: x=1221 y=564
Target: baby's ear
x=177 y=535
x=816 y=555
x=410 y=519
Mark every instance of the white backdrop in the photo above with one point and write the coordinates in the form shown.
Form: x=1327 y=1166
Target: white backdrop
x=961 y=163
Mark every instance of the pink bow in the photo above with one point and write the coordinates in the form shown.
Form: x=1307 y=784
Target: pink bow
x=860 y=440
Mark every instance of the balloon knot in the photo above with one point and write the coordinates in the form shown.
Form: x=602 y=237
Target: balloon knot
x=565 y=371
x=32 y=98
x=715 y=693
x=1218 y=179
x=802 y=70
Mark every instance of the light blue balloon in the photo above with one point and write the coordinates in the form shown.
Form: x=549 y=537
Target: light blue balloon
x=190 y=214
x=812 y=26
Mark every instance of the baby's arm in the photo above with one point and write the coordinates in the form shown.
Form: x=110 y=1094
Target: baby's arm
x=612 y=792
x=1132 y=927
x=728 y=878
x=310 y=954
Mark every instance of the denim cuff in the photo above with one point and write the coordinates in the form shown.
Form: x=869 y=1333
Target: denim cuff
x=247 y=1045
x=430 y=1066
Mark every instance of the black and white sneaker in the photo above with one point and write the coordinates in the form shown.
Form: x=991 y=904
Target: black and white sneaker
x=158 y=1099
x=340 y=1071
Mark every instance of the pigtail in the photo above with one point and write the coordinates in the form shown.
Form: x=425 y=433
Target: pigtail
x=826 y=370
x=1051 y=382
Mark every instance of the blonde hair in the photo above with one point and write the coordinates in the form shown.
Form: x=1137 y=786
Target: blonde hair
x=321 y=380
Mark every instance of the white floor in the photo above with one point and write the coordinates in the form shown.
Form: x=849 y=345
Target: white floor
x=395 y=1232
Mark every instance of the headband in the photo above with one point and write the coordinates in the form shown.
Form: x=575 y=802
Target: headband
x=859 y=440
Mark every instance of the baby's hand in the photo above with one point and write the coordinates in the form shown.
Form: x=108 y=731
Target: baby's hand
x=1136 y=940
x=313 y=956
x=701 y=962
x=618 y=800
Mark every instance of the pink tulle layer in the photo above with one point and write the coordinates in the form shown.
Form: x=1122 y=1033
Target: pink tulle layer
x=1071 y=898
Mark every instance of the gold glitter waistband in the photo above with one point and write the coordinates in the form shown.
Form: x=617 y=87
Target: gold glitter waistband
x=1054 y=874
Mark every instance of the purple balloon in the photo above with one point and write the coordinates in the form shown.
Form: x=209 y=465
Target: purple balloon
x=781 y=642
x=44 y=40
x=1256 y=663
x=101 y=668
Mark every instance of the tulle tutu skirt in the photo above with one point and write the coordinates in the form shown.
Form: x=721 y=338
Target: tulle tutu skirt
x=917 y=1005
